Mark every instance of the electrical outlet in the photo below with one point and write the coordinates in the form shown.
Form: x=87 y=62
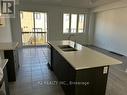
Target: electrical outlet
x=105 y=70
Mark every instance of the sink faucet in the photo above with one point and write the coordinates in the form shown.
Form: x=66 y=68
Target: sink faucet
x=69 y=37
x=74 y=40
x=75 y=44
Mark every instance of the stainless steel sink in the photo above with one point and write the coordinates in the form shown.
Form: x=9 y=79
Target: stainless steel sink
x=64 y=46
x=67 y=48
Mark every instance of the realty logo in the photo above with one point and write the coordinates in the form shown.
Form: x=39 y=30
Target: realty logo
x=8 y=8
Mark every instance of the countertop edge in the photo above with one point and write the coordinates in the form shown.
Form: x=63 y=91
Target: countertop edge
x=3 y=63
x=9 y=46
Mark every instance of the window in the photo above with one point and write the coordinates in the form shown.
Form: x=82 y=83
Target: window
x=37 y=15
x=81 y=23
x=73 y=23
x=66 y=23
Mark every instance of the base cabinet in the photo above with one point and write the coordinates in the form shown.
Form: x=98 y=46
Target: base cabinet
x=90 y=81
x=13 y=64
x=6 y=81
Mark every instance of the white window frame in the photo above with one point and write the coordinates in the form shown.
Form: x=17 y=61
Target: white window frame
x=84 y=24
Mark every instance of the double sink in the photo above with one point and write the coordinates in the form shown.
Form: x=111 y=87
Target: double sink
x=67 y=48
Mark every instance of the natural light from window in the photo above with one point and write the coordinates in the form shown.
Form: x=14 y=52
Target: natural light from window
x=34 y=28
x=66 y=23
x=81 y=23
x=74 y=23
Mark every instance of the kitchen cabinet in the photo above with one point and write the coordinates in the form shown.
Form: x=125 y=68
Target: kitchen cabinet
x=10 y=52
x=13 y=63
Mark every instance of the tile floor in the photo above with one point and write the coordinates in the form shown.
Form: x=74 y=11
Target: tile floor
x=34 y=72
x=34 y=76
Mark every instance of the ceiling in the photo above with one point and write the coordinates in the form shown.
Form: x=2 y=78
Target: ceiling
x=71 y=3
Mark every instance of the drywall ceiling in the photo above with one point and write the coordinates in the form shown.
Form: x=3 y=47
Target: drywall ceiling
x=71 y=3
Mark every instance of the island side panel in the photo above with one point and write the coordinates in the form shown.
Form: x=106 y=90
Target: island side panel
x=95 y=79
x=64 y=72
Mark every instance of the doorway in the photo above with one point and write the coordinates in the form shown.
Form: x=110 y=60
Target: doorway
x=33 y=28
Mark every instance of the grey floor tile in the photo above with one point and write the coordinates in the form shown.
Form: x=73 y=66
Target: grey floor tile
x=32 y=74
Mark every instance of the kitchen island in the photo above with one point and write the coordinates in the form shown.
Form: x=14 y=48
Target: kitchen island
x=82 y=71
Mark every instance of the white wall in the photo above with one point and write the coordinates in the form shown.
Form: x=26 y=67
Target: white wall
x=91 y=28
x=5 y=31
x=1 y=54
x=55 y=23
x=111 y=28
